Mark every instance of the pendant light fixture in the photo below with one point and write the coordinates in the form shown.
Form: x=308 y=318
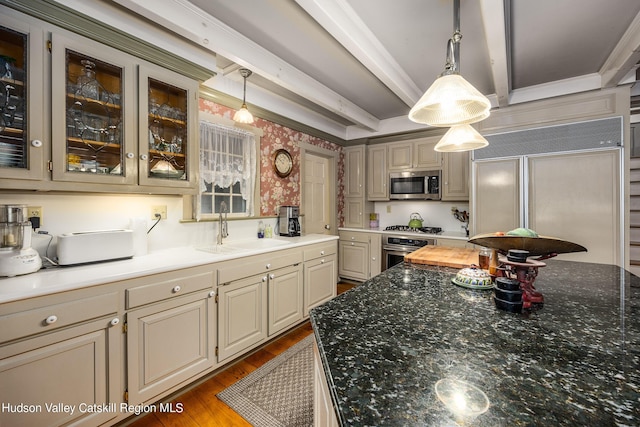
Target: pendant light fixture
x=243 y=115
x=451 y=100
x=461 y=138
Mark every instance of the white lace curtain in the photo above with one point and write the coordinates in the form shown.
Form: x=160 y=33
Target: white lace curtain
x=227 y=157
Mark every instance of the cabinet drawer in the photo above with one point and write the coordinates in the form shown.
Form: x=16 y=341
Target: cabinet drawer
x=168 y=285
x=250 y=266
x=320 y=250
x=354 y=236
x=52 y=317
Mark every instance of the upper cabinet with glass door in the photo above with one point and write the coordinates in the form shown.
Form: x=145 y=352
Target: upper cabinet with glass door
x=167 y=111
x=21 y=101
x=93 y=114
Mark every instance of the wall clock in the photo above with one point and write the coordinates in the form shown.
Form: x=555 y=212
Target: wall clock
x=282 y=163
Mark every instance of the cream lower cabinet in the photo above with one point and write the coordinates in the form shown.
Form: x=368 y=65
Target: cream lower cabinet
x=242 y=315
x=358 y=255
x=171 y=326
x=285 y=296
x=63 y=350
x=258 y=296
x=320 y=275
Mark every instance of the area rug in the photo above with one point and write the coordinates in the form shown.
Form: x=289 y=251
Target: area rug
x=279 y=393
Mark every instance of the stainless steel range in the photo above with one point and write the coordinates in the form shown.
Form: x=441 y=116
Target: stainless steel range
x=396 y=246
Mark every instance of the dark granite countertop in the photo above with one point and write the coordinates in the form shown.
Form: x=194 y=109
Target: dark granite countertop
x=386 y=343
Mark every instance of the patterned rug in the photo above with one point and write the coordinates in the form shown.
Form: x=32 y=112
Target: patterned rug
x=279 y=393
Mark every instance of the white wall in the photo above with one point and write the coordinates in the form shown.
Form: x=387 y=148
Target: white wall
x=435 y=214
x=63 y=213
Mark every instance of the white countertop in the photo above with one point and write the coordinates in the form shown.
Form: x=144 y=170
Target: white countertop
x=444 y=235
x=60 y=279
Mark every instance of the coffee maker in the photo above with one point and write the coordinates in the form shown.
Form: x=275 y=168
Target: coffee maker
x=16 y=254
x=288 y=223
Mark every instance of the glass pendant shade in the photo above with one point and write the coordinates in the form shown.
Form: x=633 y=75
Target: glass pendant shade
x=461 y=138
x=243 y=115
x=450 y=101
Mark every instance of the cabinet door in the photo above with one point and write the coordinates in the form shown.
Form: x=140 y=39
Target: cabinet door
x=168 y=128
x=354 y=260
x=375 y=254
x=377 y=174
x=425 y=157
x=242 y=315
x=400 y=155
x=354 y=161
x=576 y=197
x=93 y=118
x=285 y=298
x=22 y=94
x=353 y=212
x=168 y=343
x=319 y=282
x=455 y=176
x=323 y=412
x=79 y=365
x=496 y=202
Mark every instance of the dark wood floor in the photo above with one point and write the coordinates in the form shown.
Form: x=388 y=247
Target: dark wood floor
x=201 y=405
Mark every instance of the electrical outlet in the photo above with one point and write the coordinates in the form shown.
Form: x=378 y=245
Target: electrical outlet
x=34 y=211
x=160 y=209
x=388 y=208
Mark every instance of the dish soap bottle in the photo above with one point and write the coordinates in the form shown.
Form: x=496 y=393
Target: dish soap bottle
x=268 y=231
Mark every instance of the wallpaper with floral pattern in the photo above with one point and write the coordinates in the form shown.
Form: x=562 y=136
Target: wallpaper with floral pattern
x=276 y=191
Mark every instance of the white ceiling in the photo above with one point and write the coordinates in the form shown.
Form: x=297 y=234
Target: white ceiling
x=354 y=68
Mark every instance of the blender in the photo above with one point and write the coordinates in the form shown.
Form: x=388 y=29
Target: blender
x=16 y=254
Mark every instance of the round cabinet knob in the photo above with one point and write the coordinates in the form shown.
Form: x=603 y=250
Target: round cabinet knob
x=143 y=157
x=51 y=319
x=272 y=276
x=130 y=155
x=353 y=238
x=321 y=252
x=268 y=266
x=327 y=227
x=322 y=261
x=353 y=244
x=36 y=143
x=264 y=279
x=114 y=321
x=212 y=294
x=176 y=289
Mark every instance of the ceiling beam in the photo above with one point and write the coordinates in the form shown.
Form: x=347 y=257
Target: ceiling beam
x=191 y=22
x=339 y=19
x=624 y=57
x=497 y=36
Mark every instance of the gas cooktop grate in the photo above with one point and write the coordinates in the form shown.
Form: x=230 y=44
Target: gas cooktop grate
x=406 y=228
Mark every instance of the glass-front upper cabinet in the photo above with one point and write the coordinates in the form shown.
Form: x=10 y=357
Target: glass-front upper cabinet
x=167 y=126
x=21 y=94
x=93 y=113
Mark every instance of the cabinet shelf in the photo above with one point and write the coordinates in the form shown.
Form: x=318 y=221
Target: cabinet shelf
x=177 y=122
x=80 y=142
x=166 y=153
x=71 y=98
x=12 y=81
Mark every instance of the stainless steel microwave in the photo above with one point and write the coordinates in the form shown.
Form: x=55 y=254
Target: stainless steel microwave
x=415 y=185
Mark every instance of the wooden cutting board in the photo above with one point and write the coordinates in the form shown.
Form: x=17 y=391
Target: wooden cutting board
x=443 y=256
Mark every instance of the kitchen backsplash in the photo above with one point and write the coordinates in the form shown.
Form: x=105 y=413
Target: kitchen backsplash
x=434 y=214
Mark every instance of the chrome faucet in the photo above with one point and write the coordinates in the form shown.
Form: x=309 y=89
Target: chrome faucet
x=222 y=224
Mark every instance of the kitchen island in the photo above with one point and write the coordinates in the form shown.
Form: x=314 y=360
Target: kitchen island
x=385 y=344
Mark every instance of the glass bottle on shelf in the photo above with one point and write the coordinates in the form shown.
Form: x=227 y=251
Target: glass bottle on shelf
x=94 y=116
x=13 y=119
x=167 y=130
